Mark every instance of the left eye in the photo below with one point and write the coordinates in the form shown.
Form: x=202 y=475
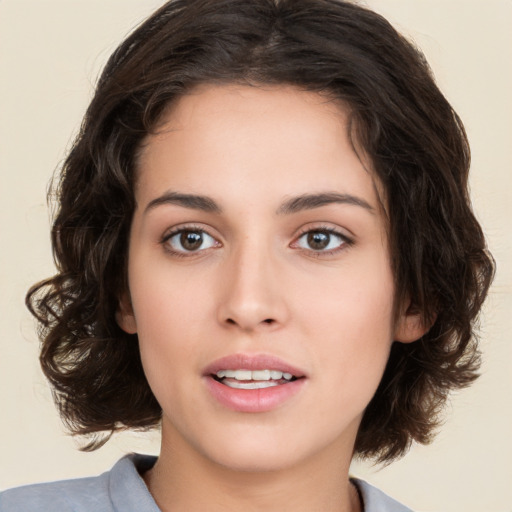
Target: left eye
x=190 y=241
x=321 y=240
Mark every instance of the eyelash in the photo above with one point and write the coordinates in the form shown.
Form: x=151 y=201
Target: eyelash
x=186 y=229
x=344 y=241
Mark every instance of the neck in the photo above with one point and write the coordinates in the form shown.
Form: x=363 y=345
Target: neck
x=183 y=480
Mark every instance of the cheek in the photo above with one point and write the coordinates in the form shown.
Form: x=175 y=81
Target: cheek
x=168 y=310
x=352 y=301
x=351 y=320
x=165 y=297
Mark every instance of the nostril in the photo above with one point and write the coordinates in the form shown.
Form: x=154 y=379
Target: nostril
x=232 y=321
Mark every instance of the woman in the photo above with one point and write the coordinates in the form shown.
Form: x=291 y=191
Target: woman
x=248 y=240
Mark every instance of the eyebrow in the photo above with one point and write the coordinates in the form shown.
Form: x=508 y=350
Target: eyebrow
x=311 y=201
x=290 y=206
x=192 y=201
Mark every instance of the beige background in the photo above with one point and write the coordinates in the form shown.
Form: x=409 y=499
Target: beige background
x=50 y=54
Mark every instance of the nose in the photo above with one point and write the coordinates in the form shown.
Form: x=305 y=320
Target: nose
x=252 y=295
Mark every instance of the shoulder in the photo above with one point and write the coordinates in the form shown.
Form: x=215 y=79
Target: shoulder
x=120 y=489
x=375 y=500
x=69 y=495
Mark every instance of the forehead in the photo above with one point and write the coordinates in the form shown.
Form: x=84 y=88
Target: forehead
x=234 y=140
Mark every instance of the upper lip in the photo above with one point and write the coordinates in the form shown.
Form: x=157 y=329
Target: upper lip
x=252 y=362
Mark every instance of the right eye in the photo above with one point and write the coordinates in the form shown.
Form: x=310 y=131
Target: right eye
x=189 y=241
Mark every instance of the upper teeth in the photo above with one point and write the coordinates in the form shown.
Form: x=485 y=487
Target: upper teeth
x=254 y=374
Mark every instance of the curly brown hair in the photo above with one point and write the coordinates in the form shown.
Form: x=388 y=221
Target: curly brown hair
x=413 y=138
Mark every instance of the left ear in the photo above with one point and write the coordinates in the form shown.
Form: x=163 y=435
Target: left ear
x=125 y=317
x=410 y=326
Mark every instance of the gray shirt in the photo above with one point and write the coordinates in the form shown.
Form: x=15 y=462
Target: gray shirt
x=123 y=490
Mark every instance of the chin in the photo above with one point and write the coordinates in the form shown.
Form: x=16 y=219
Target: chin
x=258 y=460
x=264 y=450
x=251 y=449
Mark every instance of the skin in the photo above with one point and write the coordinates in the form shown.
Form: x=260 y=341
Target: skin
x=257 y=286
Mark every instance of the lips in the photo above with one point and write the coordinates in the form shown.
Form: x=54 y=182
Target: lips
x=253 y=379
x=252 y=362
x=253 y=383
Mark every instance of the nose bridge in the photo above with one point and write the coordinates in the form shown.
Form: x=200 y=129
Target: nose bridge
x=251 y=295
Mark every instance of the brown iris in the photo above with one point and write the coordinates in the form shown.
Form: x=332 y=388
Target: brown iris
x=318 y=240
x=191 y=240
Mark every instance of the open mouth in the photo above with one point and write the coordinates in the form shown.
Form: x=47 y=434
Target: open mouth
x=253 y=383
x=253 y=379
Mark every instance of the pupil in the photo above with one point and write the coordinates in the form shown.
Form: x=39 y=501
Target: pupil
x=318 y=240
x=191 y=241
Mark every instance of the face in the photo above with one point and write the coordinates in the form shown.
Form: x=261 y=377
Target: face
x=259 y=277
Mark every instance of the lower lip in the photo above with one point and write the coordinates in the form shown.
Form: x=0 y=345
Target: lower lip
x=253 y=400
